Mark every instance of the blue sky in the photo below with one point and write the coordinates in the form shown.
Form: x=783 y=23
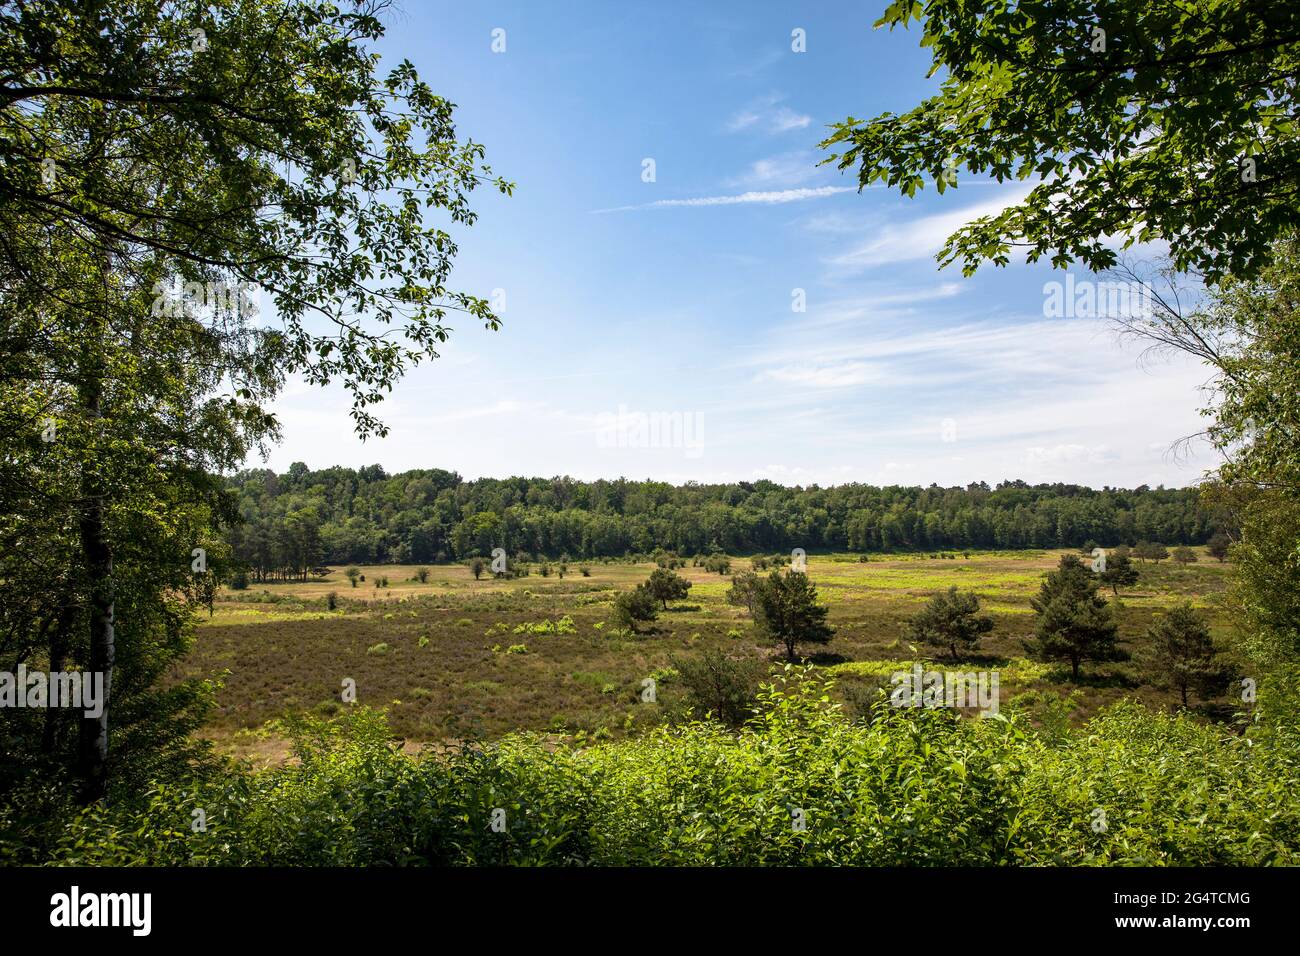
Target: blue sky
x=676 y=296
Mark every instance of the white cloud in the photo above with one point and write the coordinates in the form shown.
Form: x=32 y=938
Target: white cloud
x=822 y=376
x=789 y=169
x=771 y=197
x=893 y=303
x=920 y=238
x=1039 y=457
x=768 y=115
x=787 y=119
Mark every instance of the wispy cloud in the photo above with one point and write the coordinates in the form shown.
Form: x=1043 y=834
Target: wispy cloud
x=791 y=169
x=821 y=376
x=768 y=115
x=772 y=197
x=878 y=303
x=920 y=238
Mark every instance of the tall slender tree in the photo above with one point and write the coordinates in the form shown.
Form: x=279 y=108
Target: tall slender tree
x=192 y=160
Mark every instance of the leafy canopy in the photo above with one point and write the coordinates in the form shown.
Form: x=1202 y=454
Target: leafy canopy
x=1173 y=121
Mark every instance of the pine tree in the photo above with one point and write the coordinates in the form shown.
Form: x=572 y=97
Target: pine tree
x=1119 y=573
x=1183 y=653
x=951 y=620
x=788 y=612
x=1074 y=624
x=666 y=585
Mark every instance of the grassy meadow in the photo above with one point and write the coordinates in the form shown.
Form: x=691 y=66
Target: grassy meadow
x=457 y=658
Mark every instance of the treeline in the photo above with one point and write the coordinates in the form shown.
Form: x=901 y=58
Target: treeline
x=298 y=520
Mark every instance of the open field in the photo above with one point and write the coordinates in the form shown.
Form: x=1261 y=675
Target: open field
x=458 y=658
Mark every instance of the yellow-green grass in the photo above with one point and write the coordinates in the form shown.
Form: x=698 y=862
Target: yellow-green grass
x=453 y=658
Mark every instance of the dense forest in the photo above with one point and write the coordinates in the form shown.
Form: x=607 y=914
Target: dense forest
x=304 y=518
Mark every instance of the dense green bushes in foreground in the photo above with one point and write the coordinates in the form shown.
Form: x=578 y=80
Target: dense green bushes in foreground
x=908 y=788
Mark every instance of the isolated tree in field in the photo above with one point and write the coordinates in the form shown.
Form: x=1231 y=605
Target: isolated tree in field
x=666 y=585
x=1149 y=551
x=951 y=620
x=422 y=575
x=1218 y=546
x=633 y=607
x=788 y=613
x=721 y=686
x=744 y=590
x=1074 y=624
x=1184 y=555
x=1183 y=654
x=1170 y=121
x=1119 y=572
x=352 y=574
x=141 y=164
x=477 y=566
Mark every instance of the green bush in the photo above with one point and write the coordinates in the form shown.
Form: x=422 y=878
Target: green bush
x=905 y=787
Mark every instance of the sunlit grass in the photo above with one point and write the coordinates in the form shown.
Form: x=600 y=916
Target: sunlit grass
x=447 y=641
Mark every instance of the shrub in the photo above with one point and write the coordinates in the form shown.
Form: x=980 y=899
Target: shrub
x=564 y=625
x=951 y=620
x=907 y=788
x=633 y=607
x=744 y=590
x=718 y=685
x=665 y=585
x=1218 y=546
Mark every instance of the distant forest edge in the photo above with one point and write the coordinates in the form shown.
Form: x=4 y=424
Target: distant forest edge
x=303 y=519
